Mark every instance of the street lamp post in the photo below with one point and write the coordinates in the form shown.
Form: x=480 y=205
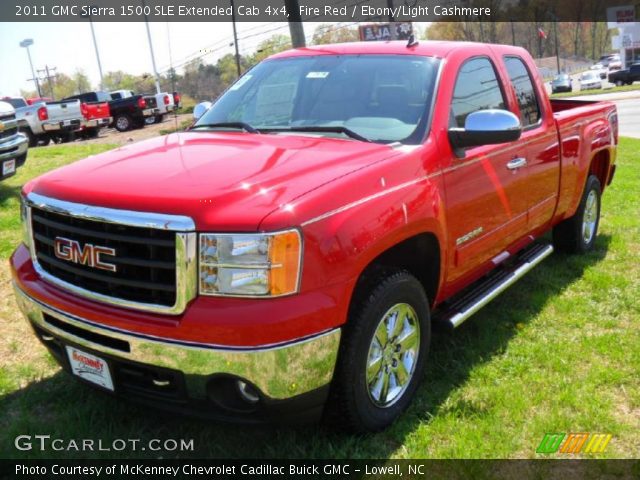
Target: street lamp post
x=26 y=43
x=95 y=46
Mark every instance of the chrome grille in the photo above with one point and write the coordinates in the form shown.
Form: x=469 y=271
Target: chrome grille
x=154 y=263
x=145 y=259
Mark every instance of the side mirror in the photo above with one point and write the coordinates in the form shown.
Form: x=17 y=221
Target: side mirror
x=486 y=127
x=200 y=108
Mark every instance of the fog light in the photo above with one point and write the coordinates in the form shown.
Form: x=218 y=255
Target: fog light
x=247 y=392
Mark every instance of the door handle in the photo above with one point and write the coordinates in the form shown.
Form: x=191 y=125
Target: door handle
x=517 y=163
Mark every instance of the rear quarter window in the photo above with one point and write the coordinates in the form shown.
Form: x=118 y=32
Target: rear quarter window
x=525 y=91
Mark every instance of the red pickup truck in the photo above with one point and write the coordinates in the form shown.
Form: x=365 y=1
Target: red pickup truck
x=96 y=115
x=287 y=255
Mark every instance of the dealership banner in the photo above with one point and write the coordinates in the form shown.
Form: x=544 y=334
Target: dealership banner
x=314 y=10
x=320 y=469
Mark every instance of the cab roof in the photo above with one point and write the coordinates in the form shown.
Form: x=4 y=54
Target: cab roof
x=438 y=49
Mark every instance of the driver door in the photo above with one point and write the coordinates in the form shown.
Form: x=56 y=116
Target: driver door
x=486 y=205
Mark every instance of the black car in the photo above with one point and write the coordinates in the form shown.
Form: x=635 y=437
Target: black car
x=626 y=76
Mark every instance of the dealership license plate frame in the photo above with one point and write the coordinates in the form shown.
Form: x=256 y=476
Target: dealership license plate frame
x=84 y=371
x=8 y=167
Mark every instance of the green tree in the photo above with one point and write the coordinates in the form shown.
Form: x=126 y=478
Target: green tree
x=332 y=33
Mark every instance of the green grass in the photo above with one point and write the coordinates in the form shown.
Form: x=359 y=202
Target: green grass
x=597 y=91
x=558 y=352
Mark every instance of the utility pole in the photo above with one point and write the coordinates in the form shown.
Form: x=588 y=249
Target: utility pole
x=95 y=46
x=296 y=28
x=513 y=33
x=48 y=78
x=235 y=38
x=555 y=36
x=153 y=58
x=392 y=27
x=26 y=43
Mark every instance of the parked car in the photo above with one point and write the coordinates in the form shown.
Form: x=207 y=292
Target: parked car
x=164 y=103
x=626 y=76
x=126 y=113
x=590 y=80
x=44 y=122
x=148 y=103
x=605 y=60
x=13 y=145
x=561 y=83
x=287 y=255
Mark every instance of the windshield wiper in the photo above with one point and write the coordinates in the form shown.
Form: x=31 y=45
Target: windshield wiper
x=320 y=128
x=241 y=125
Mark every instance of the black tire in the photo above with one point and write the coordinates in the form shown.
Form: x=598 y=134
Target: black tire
x=577 y=234
x=352 y=405
x=44 y=140
x=619 y=83
x=122 y=123
x=140 y=123
x=90 y=133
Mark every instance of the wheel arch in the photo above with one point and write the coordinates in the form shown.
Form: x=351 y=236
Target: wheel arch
x=419 y=254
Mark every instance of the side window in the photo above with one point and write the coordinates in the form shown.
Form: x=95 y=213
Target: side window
x=525 y=93
x=477 y=88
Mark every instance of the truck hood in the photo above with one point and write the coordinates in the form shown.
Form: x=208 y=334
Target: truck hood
x=224 y=181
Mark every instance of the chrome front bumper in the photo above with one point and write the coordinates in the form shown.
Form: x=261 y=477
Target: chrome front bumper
x=14 y=147
x=279 y=372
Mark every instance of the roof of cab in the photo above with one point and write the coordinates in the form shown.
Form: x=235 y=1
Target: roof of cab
x=439 y=49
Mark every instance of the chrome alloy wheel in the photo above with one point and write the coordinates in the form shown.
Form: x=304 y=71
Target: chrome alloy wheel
x=393 y=355
x=122 y=123
x=590 y=217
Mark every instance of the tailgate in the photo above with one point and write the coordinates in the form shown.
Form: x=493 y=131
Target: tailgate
x=60 y=111
x=97 y=110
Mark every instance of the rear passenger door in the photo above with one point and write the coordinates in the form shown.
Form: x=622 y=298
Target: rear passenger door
x=486 y=198
x=542 y=148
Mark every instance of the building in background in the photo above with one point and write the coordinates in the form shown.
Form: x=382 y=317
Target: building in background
x=627 y=42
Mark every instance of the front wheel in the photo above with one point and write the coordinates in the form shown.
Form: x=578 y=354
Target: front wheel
x=619 y=83
x=577 y=234
x=382 y=355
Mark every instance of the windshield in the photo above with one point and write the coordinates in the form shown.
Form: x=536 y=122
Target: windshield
x=588 y=75
x=562 y=78
x=382 y=98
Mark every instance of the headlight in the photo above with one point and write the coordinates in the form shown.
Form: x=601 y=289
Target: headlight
x=259 y=265
x=24 y=218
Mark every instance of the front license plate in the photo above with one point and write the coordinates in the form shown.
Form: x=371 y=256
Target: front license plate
x=8 y=167
x=90 y=368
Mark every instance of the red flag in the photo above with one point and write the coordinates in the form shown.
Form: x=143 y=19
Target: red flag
x=541 y=33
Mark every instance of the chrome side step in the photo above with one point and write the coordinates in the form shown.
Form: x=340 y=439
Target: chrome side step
x=478 y=295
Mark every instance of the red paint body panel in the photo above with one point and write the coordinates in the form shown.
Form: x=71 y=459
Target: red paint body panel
x=351 y=200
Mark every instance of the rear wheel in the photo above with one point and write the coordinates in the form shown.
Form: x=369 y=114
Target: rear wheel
x=619 y=83
x=382 y=355
x=577 y=234
x=123 y=123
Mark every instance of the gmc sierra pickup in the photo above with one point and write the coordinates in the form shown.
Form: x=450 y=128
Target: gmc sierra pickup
x=287 y=255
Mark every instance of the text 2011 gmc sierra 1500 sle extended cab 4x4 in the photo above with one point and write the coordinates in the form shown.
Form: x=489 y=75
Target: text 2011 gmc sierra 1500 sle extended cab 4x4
x=287 y=255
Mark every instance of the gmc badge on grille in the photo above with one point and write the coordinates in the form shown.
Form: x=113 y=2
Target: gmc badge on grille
x=89 y=254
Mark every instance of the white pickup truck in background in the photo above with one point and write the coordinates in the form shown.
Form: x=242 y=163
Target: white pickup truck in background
x=165 y=103
x=13 y=145
x=44 y=122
